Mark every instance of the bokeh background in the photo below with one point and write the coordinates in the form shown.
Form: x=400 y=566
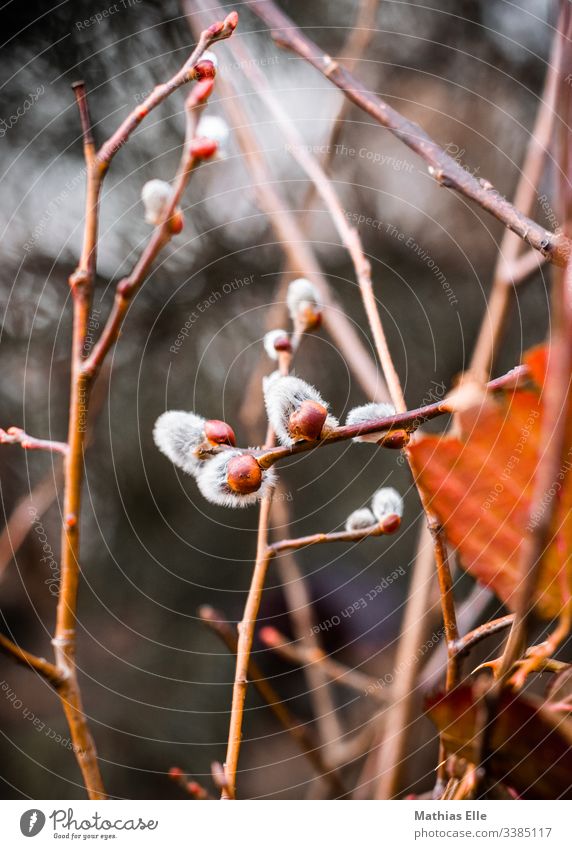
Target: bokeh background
x=156 y=682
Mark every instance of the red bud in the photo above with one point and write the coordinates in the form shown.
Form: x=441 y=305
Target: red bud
x=216 y=28
x=219 y=432
x=269 y=636
x=394 y=439
x=176 y=222
x=307 y=422
x=203 y=148
x=244 y=475
x=283 y=344
x=175 y=772
x=204 y=69
x=231 y=21
x=390 y=523
x=310 y=317
x=201 y=92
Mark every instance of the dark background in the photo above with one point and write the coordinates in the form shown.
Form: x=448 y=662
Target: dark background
x=156 y=684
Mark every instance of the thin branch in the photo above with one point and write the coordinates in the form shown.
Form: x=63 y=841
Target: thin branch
x=17 y=436
x=39 y=664
x=162 y=234
x=474 y=637
x=446 y=170
x=301 y=614
x=189 y=71
x=409 y=421
x=64 y=642
x=510 y=270
x=227 y=633
x=264 y=555
x=301 y=656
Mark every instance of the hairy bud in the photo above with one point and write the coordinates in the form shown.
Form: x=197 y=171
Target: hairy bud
x=368 y=413
x=360 y=519
x=215 y=128
x=233 y=478
x=386 y=502
x=177 y=435
x=284 y=396
x=219 y=433
x=304 y=304
x=156 y=195
x=276 y=341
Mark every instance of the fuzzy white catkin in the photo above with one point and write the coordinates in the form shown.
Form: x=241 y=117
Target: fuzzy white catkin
x=155 y=194
x=362 y=518
x=367 y=413
x=301 y=293
x=213 y=127
x=212 y=482
x=386 y=502
x=176 y=435
x=269 y=340
x=283 y=396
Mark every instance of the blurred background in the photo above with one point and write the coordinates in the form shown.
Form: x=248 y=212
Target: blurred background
x=156 y=682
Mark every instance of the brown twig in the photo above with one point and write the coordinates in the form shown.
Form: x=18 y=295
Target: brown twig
x=409 y=421
x=246 y=628
x=474 y=637
x=510 y=269
x=81 y=284
x=227 y=633
x=216 y=32
x=300 y=611
x=335 y=670
x=162 y=234
x=446 y=170
x=46 y=669
x=17 y=436
x=83 y=371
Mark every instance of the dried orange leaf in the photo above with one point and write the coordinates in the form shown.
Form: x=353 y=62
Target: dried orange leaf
x=481 y=485
x=531 y=746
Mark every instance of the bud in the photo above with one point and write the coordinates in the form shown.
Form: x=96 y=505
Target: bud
x=244 y=475
x=233 y=478
x=307 y=422
x=219 y=433
x=215 y=128
x=231 y=21
x=284 y=396
x=304 y=304
x=390 y=523
x=360 y=519
x=202 y=148
x=204 y=70
x=369 y=413
x=386 y=502
x=201 y=92
x=396 y=439
x=276 y=341
x=177 y=435
x=176 y=222
x=156 y=195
